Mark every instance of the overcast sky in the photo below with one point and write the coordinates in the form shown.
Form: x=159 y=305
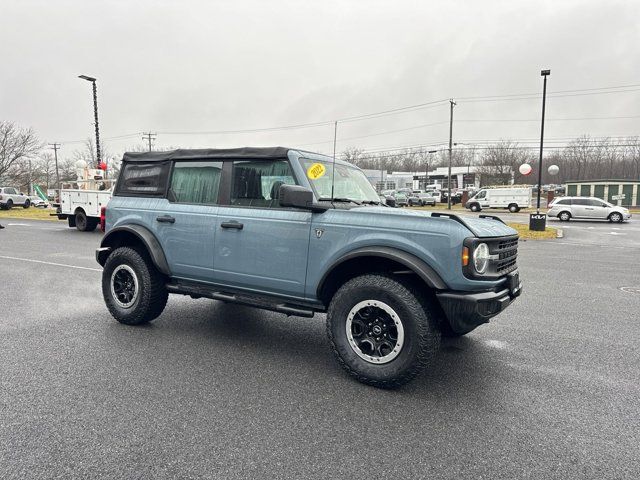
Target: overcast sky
x=191 y=66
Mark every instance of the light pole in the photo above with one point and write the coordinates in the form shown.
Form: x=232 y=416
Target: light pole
x=95 y=114
x=538 y=222
x=426 y=169
x=450 y=154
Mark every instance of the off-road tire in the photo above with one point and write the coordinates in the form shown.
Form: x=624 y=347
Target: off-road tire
x=9 y=205
x=152 y=294
x=513 y=208
x=26 y=204
x=616 y=217
x=419 y=320
x=564 y=216
x=474 y=207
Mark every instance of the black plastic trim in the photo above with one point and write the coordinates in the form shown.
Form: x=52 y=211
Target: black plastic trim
x=225 y=293
x=465 y=311
x=146 y=237
x=418 y=266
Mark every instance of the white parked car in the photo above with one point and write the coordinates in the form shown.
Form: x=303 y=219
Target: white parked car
x=38 y=202
x=566 y=208
x=10 y=197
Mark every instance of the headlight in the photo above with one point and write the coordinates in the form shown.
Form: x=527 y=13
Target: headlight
x=481 y=258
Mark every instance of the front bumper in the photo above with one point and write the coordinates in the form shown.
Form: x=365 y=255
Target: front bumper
x=465 y=310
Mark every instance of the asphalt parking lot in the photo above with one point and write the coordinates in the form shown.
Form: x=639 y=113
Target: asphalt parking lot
x=549 y=389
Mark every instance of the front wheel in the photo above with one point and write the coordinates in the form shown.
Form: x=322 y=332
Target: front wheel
x=381 y=330
x=27 y=204
x=616 y=217
x=475 y=207
x=133 y=289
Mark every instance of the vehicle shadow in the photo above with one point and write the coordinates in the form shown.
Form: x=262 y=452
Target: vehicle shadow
x=462 y=369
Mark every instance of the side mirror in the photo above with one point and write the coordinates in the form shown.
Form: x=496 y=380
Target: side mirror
x=297 y=196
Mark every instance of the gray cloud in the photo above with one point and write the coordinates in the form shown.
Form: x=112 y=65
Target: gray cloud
x=202 y=66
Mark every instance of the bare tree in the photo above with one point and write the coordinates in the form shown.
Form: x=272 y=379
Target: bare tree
x=16 y=145
x=500 y=161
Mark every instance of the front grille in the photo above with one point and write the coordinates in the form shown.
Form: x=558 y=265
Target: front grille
x=506 y=251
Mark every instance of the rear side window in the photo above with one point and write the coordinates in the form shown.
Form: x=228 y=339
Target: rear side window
x=143 y=179
x=563 y=202
x=195 y=182
x=256 y=183
x=580 y=201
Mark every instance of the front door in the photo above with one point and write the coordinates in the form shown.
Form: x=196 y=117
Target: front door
x=261 y=246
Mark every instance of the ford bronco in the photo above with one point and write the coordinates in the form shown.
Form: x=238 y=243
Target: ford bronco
x=299 y=233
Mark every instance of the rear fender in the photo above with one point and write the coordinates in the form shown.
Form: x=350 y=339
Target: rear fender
x=117 y=237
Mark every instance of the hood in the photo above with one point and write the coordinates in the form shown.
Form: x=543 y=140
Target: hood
x=480 y=227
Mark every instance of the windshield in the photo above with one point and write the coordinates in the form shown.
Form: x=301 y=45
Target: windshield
x=349 y=182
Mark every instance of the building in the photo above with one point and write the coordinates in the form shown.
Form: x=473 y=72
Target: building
x=619 y=192
x=461 y=177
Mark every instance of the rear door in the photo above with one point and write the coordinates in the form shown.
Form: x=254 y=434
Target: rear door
x=178 y=203
x=261 y=246
x=186 y=220
x=581 y=208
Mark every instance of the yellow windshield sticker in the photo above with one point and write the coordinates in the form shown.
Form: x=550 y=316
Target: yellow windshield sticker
x=316 y=171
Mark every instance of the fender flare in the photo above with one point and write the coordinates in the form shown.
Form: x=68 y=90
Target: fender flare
x=415 y=264
x=147 y=238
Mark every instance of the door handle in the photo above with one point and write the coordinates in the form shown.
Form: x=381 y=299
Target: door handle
x=233 y=224
x=166 y=219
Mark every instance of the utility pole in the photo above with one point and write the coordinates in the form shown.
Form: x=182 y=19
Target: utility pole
x=149 y=136
x=450 y=153
x=55 y=147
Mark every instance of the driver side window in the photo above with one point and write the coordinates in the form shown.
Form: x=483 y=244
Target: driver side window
x=257 y=183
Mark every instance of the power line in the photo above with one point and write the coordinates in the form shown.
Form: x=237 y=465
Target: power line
x=547 y=120
x=405 y=109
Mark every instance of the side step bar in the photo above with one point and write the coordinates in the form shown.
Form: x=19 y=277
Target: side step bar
x=257 y=301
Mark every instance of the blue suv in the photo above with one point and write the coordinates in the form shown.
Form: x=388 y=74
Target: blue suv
x=298 y=233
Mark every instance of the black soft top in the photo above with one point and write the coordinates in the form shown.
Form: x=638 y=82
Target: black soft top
x=250 y=153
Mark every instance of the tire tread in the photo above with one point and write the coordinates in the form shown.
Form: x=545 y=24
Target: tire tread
x=428 y=335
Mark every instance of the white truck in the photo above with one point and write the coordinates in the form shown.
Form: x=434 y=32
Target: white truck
x=81 y=202
x=511 y=198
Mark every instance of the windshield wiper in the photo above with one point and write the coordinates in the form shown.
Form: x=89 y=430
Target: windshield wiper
x=370 y=202
x=338 y=199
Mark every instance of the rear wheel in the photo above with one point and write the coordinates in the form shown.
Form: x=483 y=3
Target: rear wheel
x=616 y=217
x=81 y=221
x=133 y=289
x=9 y=204
x=513 y=208
x=382 y=331
x=564 y=216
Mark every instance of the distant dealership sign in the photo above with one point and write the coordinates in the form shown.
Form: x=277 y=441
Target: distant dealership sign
x=622 y=196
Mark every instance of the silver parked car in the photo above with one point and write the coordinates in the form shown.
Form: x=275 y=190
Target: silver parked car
x=566 y=208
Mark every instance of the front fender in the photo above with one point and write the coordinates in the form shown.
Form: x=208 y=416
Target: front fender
x=413 y=263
